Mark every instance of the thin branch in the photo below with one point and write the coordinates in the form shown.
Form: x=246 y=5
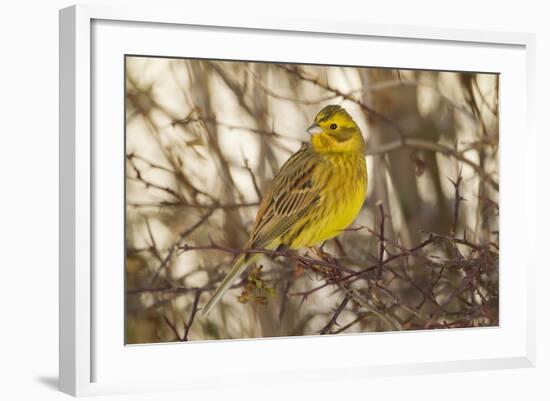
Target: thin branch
x=381 y=239
x=172 y=327
x=359 y=317
x=434 y=147
x=253 y=178
x=235 y=251
x=458 y=199
x=211 y=206
x=176 y=244
x=194 y=309
x=337 y=312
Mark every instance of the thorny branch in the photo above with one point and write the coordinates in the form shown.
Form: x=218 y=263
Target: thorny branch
x=337 y=312
x=187 y=326
x=381 y=239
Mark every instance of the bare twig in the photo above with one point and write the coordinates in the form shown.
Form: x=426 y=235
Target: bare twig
x=253 y=178
x=176 y=244
x=206 y=206
x=434 y=147
x=381 y=239
x=194 y=309
x=302 y=259
x=458 y=199
x=337 y=312
x=172 y=327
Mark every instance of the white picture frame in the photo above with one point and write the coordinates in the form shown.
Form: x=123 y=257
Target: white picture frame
x=88 y=365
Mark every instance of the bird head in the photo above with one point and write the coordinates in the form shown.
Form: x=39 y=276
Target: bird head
x=334 y=131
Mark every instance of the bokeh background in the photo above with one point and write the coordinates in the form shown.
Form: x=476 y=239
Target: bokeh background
x=203 y=140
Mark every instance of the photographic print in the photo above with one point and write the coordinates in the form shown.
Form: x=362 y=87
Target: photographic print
x=279 y=199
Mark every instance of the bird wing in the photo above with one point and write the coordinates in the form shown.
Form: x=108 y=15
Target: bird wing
x=294 y=191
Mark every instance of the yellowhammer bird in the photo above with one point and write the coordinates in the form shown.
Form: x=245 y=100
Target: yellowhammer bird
x=315 y=195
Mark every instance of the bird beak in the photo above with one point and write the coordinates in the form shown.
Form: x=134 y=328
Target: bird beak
x=314 y=129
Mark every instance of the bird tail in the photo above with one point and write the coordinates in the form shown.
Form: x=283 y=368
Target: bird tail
x=238 y=267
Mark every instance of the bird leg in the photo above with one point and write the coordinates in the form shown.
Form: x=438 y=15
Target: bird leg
x=321 y=254
x=331 y=274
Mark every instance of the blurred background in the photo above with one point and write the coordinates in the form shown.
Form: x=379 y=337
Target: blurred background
x=203 y=140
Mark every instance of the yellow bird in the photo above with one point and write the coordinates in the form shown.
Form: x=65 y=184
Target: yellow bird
x=315 y=195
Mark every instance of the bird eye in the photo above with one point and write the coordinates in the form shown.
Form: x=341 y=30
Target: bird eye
x=333 y=126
